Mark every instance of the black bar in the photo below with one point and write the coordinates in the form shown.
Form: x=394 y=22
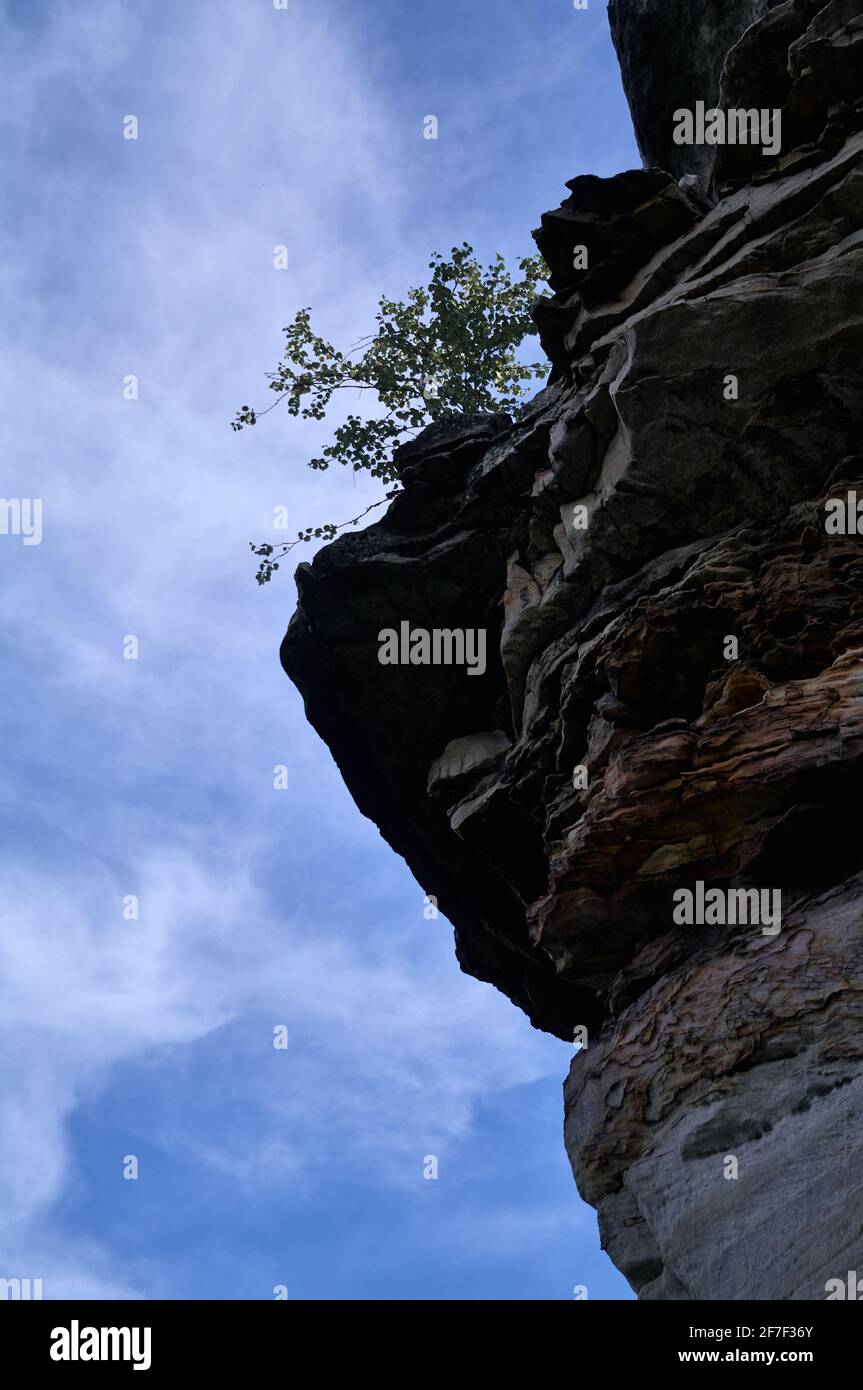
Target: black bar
x=222 y=1338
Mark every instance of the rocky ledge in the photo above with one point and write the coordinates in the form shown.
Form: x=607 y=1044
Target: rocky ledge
x=638 y=806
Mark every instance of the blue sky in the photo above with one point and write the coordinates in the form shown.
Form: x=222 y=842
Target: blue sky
x=154 y=777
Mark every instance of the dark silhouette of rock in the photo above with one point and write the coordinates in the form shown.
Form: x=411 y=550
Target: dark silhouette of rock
x=662 y=553
x=671 y=54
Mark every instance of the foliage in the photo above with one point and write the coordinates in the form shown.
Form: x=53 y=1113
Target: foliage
x=450 y=347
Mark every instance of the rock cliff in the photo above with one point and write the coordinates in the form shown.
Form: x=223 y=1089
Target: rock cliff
x=662 y=555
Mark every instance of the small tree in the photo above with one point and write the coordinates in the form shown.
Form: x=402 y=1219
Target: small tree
x=451 y=346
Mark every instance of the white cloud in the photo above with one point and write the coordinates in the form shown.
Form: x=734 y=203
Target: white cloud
x=379 y=1070
x=155 y=258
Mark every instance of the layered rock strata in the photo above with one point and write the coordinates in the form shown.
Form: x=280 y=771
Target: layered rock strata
x=672 y=696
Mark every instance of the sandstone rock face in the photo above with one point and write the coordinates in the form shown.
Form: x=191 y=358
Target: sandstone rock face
x=662 y=555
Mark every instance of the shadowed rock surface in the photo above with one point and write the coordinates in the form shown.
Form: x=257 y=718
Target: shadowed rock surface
x=667 y=492
x=671 y=54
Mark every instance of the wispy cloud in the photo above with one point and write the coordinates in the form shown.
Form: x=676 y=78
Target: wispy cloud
x=154 y=777
x=376 y=1073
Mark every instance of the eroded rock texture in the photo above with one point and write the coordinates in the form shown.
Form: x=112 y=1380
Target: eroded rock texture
x=666 y=493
